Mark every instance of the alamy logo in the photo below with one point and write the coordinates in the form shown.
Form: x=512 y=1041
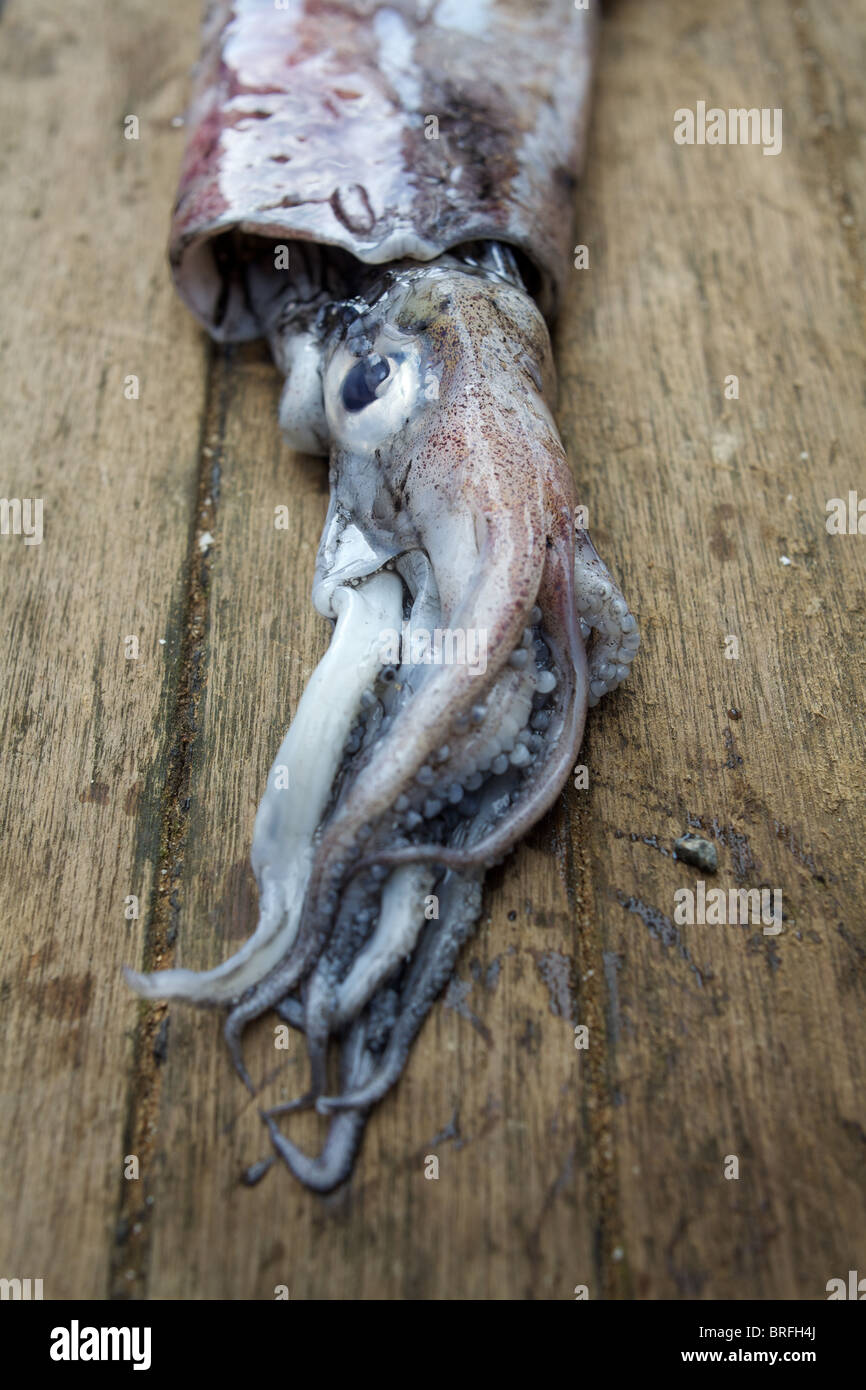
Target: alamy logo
x=738 y=907
x=846 y=517
x=737 y=126
x=76 y=1343
x=20 y=1289
x=855 y=1288
x=444 y=646
x=22 y=516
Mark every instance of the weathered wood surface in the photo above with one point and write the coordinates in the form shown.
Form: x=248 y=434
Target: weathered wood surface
x=557 y=1167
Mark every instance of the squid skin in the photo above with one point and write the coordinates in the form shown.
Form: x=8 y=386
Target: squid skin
x=429 y=382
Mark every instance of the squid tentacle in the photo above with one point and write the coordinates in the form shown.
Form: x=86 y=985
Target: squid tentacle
x=461 y=899
x=332 y=1166
x=603 y=609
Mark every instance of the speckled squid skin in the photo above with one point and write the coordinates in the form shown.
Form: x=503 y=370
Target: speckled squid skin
x=313 y=121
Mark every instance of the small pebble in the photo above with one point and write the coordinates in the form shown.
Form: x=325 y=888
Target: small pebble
x=694 y=849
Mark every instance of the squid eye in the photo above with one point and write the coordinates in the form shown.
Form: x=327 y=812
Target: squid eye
x=359 y=386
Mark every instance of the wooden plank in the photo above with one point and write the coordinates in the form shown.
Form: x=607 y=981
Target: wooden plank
x=86 y=304
x=722 y=1040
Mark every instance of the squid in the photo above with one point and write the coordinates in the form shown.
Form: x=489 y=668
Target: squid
x=384 y=193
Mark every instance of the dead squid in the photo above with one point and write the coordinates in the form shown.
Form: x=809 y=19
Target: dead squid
x=385 y=192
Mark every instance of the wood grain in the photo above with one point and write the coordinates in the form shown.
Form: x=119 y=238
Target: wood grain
x=84 y=729
x=722 y=1040
x=558 y=1167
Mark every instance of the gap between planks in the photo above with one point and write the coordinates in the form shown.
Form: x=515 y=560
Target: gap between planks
x=129 y=1266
